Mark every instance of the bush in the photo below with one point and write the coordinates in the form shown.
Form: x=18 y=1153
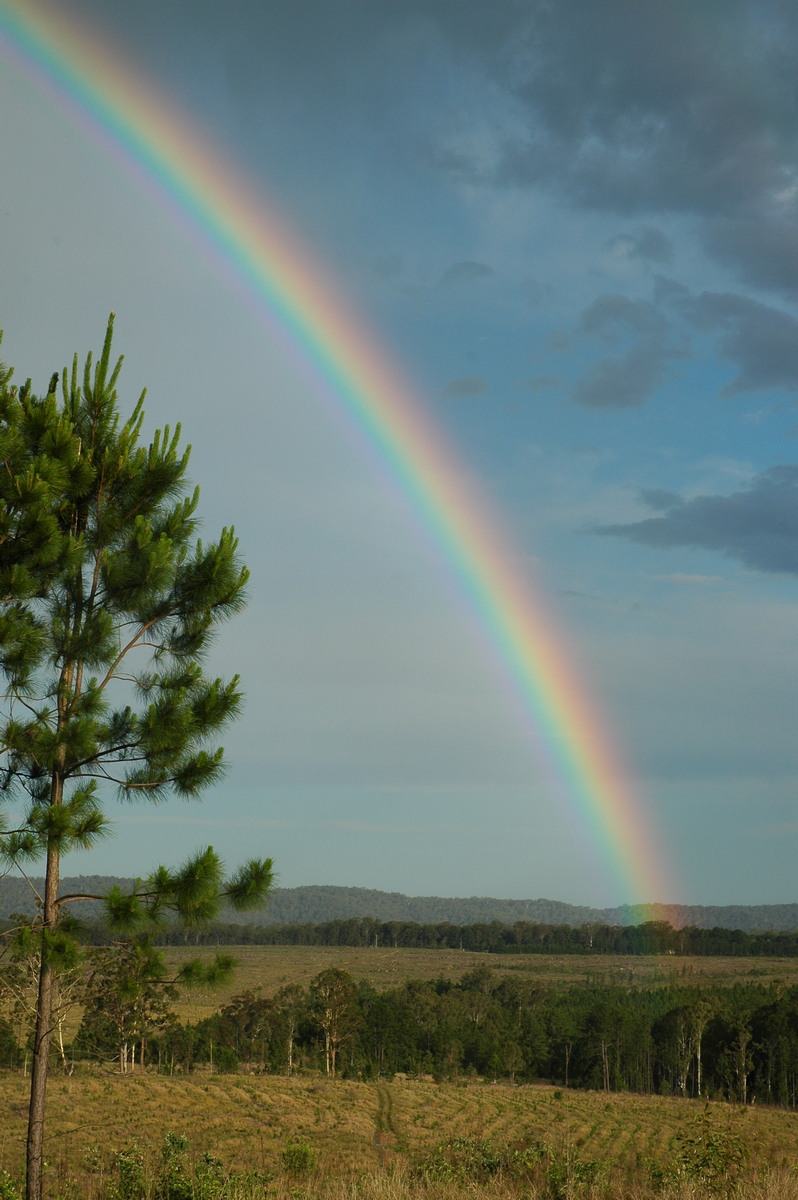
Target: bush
x=174 y=1182
x=461 y=1160
x=567 y=1175
x=299 y=1158
x=709 y=1154
x=130 y=1183
x=8 y=1189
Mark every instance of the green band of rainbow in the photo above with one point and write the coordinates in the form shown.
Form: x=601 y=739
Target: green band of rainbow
x=139 y=125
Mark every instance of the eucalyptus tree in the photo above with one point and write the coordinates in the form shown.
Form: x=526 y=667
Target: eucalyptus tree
x=333 y=996
x=108 y=602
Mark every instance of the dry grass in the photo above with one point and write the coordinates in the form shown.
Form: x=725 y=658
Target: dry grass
x=270 y=967
x=367 y=1137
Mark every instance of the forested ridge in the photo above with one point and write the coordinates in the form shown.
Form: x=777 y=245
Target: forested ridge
x=319 y=904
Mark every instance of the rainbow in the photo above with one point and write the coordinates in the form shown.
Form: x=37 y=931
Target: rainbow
x=332 y=344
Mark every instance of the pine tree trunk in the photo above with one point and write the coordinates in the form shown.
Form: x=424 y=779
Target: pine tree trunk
x=42 y=1036
x=47 y=981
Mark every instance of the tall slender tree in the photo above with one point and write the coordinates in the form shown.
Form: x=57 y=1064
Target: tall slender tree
x=108 y=602
x=332 y=1002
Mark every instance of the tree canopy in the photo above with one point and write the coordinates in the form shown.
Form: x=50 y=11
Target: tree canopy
x=108 y=603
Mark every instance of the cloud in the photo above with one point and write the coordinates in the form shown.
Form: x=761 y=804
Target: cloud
x=764 y=251
x=466 y=385
x=612 y=312
x=627 y=379
x=623 y=381
x=464 y=272
x=624 y=107
x=659 y=499
x=653 y=107
x=760 y=340
x=648 y=244
x=757 y=526
x=637 y=109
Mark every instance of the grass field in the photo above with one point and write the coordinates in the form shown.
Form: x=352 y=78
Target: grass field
x=359 y=1130
x=270 y=967
x=371 y=1141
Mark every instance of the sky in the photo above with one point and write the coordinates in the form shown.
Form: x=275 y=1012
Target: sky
x=573 y=229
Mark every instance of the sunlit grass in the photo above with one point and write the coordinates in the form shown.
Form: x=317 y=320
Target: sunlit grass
x=270 y=967
x=367 y=1140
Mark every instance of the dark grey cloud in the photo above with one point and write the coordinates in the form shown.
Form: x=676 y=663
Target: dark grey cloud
x=649 y=107
x=757 y=339
x=622 y=381
x=760 y=340
x=664 y=107
x=763 y=251
x=659 y=499
x=646 y=341
x=669 y=106
x=466 y=385
x=757 y=526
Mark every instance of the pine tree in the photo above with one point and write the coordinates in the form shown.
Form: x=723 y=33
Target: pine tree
x=108 y=602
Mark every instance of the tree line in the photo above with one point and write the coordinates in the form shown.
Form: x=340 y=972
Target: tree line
x=521 y=937
x=737 y=1043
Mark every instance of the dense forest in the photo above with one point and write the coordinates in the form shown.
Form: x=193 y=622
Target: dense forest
x=317 y=904
x=736 y=1043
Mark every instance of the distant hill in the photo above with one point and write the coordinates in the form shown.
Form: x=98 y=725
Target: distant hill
x=314 y=905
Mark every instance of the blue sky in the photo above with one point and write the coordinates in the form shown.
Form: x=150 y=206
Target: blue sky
x=574 y=226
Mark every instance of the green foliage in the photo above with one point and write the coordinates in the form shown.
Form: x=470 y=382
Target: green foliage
x=333 y=1005
x=461 y=1160
x=709 y=1153
x=130 y=1182
x=126 y=997
x=225 y=1060
x=568 y=1175
x=108 y=605
x=171 y=1175
x=510 y=1027
x=8 y=1187
x=596 y=940
x=299 y=1158
x=469 y=1161
x=211 y=1180
x=174 y=1180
